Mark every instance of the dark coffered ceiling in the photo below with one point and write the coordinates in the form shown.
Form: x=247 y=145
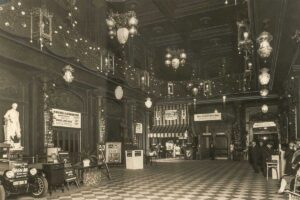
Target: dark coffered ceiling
x=206 y=29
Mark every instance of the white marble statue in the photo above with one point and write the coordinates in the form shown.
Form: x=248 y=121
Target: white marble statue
x=12 y=127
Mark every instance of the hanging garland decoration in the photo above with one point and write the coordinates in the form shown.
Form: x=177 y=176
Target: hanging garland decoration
x=23 y=20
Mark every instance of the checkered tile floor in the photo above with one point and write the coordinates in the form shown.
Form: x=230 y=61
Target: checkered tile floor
x=186 y=180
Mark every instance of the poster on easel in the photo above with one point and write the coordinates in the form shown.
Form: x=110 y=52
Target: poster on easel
x=113 y=152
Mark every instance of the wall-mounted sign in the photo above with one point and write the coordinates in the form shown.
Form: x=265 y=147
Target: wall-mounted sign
x=207 y=117
x=64 y=118
x=264 y=124
x=171 y=115
x=138 y=128
x=206 y=134
x=220 y=133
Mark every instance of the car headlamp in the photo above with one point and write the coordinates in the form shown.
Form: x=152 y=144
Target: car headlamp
x=10 y=174
x=33 y=171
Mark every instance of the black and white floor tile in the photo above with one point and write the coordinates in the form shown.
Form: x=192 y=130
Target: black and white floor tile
x=180 y=180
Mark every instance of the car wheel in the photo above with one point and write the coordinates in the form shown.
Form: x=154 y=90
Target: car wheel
x=2 y=192
x=40 y=187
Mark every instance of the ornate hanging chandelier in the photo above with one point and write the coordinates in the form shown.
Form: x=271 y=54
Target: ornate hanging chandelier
x=122 y=25
x=175 y=58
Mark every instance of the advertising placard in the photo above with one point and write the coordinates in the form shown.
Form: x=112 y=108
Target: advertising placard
x=138 y=128
x=64 y=118
x=207 y=117
x=171 y=115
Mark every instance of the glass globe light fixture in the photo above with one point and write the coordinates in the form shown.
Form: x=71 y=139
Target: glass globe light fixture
x=175 y=63
x=195 y=91
x=168 y=56
x=168 y=62
x=264 y=92
x=264 y=77
x=133 y=21
x=132 y=31
x=148 y=102
x=183 y=55
x=264 y=108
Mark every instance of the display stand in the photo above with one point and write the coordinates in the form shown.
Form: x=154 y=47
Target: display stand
x=113 y=152
x=69 y=172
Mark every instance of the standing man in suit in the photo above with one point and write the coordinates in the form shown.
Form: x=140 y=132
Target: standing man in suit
x=255 y=155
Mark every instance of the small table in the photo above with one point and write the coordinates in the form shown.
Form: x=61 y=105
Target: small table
x=272 y=165
x=80 y=170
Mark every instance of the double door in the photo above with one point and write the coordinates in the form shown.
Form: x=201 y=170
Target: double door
x=220 y=146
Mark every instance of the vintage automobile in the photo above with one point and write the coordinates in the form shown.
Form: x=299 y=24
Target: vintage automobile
x=16 y=177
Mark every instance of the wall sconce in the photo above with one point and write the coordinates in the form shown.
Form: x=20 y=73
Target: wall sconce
x=148 y=103
x=68 y=73
x=265 y=48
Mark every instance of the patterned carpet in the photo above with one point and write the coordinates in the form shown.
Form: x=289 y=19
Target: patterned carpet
x=186 y=180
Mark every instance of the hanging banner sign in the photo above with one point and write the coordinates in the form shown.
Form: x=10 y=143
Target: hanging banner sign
x=207 y=117
x=138 y=128
x=171 y=115
x=64 y=118
x=264 y=124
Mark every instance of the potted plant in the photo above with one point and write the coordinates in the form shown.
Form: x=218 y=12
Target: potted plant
x=88 y=158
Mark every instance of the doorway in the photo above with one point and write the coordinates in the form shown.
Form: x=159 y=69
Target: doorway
x=205 y=143
x=68 y=139
x=221 y=146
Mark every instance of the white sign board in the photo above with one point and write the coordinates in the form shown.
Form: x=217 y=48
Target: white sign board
x=138 y=128
x=264 y=124
x=64 y=118
x=171 y=115
x=207 y=117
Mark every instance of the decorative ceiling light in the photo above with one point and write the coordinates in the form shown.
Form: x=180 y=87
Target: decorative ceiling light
x=148 y=102
x=175 y=58
x=264 y=108
x=265 y=48
x=68 y=74
x=264 y=92
x=264 y=77
x=122 y=25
